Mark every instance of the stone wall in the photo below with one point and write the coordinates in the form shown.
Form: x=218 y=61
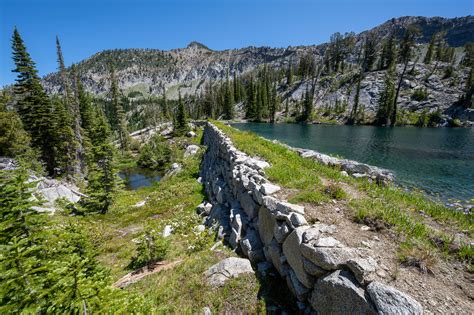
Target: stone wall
x=324 y=275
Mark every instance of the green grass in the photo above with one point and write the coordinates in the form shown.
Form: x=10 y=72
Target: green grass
x=384 y=206
x=172 y=201
x=287 y=169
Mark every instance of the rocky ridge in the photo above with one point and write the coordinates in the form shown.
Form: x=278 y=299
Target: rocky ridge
x=153 y=71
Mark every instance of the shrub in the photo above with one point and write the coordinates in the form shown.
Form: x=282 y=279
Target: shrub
x=133 y=94
x=155 y=154
x=456 y=123
x=335 y=192
x=420 y=94
x=435 y=118
x=151 y=249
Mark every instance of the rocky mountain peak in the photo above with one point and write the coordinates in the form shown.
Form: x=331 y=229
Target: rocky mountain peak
x=197 y=45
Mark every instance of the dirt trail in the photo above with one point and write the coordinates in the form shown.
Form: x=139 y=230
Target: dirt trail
x=138 y=274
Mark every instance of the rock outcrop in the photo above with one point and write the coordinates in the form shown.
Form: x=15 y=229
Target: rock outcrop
x=226 y=269
x=324 y=274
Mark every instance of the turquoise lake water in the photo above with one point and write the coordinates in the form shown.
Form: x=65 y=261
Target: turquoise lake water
x=136 y=177
x=439 y=161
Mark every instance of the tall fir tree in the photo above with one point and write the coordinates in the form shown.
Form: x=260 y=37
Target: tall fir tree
x=237 y=89
x=385 y=103
x=354 y=119
x=289 y=75
x=370 y=51
x=308 y=104
x=22 y=273
x=251 y=103
x=76 y=164
x=388 y=52
x=85 y=105
x=406 y=53
x=180 y=121
x=164 y=106
x=120 y=121
x=102 y=180
x=274 y=103
x=64 y=140
x=33 y=105
x=228 y=100
x=430 y=50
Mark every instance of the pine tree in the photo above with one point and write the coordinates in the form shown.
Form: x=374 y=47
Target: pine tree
x=237 y=89
x=274 y=103
x=65 y=86
x=209 y=102
x=430 y=50
x=228 y=100
x=370 y=51
x=251 y=104
x=308 y=104
x=84 y=283
x=406 y=52
x=467 y=99
x=164 y=106
x=77 y=164
x=353 y=119
x=33 y=105
x=387 y=96
x=180 y=123
x=22 y=274
x=44 y=268
x=388 y=54
x=440 y=46
x=260 y=103
x=102 y=181
x=120 y=122
x=289 y=75
x=64 y=140
x=14 y=140
x=85 y=105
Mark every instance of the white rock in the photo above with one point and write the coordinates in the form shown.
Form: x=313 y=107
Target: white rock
x=269 y=189
x=191 y=150
x=191 y=134
x=167 y=231
x=287 y=208
x=228 y=268
x=389 y=300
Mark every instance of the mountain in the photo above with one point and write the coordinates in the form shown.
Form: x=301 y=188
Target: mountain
x=151 y=71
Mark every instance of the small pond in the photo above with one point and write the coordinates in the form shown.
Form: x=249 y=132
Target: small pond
x=136 y=177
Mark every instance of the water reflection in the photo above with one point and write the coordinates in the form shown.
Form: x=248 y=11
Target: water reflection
x=438 y=160
x=136 y=177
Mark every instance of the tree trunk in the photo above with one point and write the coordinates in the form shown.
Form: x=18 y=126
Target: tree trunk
x=393 y=119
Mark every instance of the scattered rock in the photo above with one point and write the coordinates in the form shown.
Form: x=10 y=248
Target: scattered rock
x=339 y=293
x=191 y=134
x=389 y=300
x=228 y=268
x=191 y=150
x=167 y=230
x=206 y=311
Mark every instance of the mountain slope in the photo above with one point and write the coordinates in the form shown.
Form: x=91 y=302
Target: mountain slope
x=152 y=71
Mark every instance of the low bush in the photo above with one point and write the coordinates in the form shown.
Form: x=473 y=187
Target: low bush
x=420 y=94
x=152 y=248
x=155 y=154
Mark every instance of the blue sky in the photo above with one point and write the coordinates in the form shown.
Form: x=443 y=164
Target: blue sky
x=87 y=26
